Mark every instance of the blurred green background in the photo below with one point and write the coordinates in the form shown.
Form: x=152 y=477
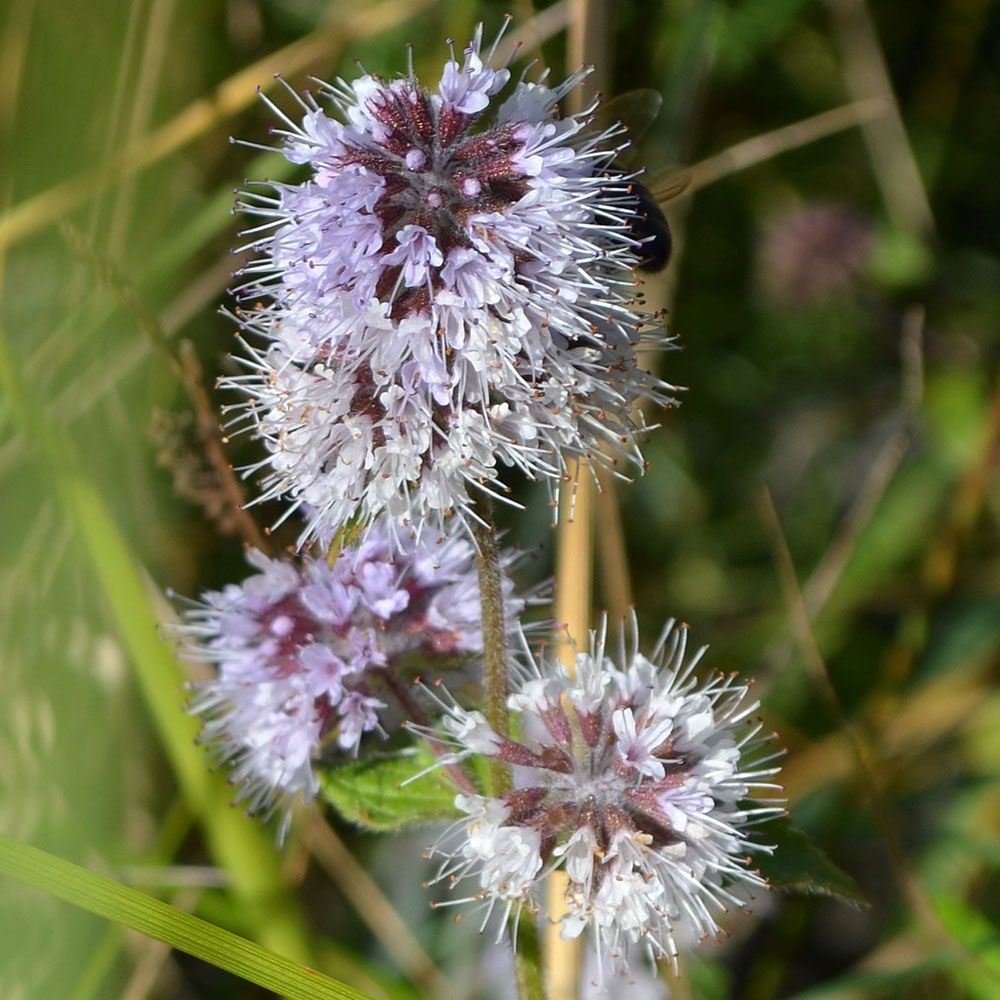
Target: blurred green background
x=836 y=295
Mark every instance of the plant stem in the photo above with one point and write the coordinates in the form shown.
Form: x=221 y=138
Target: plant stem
x=527 y=962
x=494 y=633
x=590 y=29
x=371 y=905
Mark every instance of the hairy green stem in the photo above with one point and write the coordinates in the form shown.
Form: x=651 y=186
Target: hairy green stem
x=494 y=633
x=527 y=961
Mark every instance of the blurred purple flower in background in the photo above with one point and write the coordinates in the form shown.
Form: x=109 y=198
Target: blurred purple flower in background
x=813 y=254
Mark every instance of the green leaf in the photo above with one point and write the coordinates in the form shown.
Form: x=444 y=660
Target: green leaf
x=236 y=843
x=159 y=920
x=371 y=792
x=347 y=533
x=799 y=867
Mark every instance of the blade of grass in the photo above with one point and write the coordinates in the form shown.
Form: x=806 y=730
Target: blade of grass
x=867 y=77
x=173 y=829
x=862 y=748
x=766 y=146
x=153 y=955
x=239 y=846
x=158 y=920
x=229 y=98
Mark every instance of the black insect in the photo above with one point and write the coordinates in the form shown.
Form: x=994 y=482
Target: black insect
x=650 y=227
x=636 y=110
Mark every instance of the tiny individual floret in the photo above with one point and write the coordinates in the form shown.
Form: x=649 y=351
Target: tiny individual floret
x=308 y=653
x=638 y=781
x=450 y=291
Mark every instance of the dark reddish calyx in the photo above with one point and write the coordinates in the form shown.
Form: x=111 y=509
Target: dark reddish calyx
x=436 y=177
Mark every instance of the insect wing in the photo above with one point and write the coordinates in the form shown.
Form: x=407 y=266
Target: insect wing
x=635 y=109
x=668 y=185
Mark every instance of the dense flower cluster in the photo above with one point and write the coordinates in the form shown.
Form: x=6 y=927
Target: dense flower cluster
x=635 y=779
x=448 y=292
x=301 y=647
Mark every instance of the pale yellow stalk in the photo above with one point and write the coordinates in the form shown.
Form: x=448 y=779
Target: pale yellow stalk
x=589 y=36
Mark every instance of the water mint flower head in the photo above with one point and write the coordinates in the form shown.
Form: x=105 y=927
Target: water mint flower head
x=633 y=777
x=447 y=293
x=304 y=652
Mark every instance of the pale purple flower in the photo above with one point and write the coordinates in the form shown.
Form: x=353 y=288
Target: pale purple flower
x=636 y=779
x=449 y=293
x=416 y=252
x=302 y=650
x=468 y=89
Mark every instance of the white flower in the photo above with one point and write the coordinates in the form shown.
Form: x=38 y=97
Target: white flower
x=638 y=781
x=468 y=89
x=640 y=747
x=448 y=294
x=302 y=649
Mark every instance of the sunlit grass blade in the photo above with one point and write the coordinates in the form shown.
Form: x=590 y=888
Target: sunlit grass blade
x=86 y=387
x=237 y=845
x=163 y=922
x=229 y=98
